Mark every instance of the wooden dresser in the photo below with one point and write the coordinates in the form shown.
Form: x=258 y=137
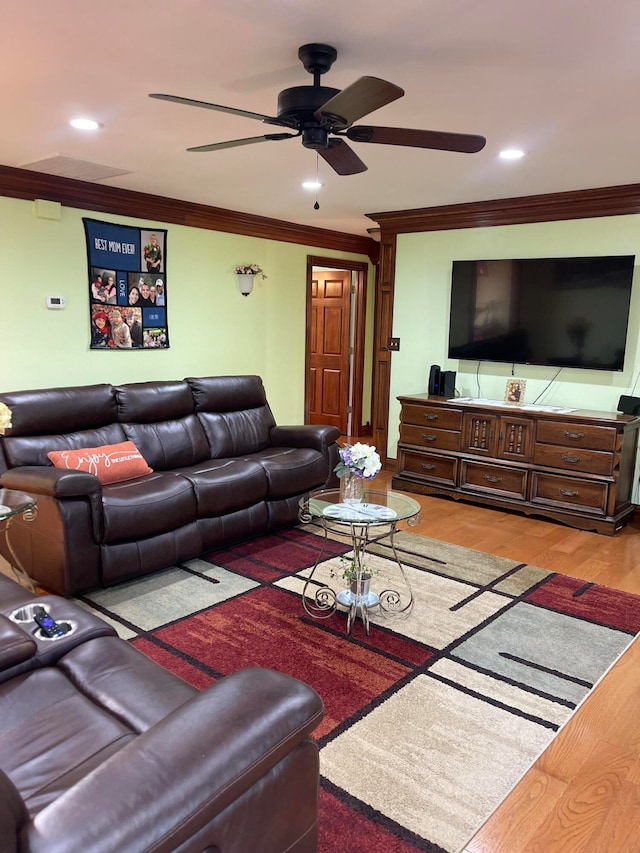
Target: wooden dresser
x=576 y=468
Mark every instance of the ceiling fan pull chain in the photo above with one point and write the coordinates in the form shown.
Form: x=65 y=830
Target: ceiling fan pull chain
x=316 y=206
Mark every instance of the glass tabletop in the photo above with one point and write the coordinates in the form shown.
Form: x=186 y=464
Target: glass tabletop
x=377 y=507
x=13 y=503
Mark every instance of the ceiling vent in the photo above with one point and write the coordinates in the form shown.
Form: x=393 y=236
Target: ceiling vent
x=70 y=167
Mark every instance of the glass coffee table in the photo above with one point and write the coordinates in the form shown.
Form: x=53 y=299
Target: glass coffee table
x=12 y=505
x=374 y=518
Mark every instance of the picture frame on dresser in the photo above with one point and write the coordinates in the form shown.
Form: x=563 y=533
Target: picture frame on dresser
x=514 y=391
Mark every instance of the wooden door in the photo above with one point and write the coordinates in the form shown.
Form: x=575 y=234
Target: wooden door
x=328 y=348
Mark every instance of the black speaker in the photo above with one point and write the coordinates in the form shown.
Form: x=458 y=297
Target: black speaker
x=629 y=405
x=434 y=379
x=447 y=383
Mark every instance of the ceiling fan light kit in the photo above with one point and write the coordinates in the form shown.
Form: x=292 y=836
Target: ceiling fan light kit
x=323 y=117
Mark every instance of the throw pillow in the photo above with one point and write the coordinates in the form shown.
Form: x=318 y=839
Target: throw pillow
x=111 y=463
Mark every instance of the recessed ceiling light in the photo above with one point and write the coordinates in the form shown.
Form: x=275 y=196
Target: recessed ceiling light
x=311 y=185
x=511 y=154
x=85 y=124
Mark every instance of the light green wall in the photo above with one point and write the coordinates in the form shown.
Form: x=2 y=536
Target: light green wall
x=421 y=311
x=214 y=330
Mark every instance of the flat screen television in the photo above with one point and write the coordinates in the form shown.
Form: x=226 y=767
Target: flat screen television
x=559 y=312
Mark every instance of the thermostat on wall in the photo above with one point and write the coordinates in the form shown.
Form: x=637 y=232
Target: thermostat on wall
x=56 y=302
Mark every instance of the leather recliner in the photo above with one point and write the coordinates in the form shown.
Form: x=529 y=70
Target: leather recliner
x=102 y=750
x=223 y=471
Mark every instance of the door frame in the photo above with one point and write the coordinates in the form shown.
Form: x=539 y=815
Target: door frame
x=360 y=270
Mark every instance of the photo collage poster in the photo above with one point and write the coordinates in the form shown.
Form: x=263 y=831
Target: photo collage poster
x=127 y=286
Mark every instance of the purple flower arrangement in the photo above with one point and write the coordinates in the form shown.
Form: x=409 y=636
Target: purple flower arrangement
x=359 y=459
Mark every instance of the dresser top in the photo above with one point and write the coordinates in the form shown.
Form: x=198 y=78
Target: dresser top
x=558 y=413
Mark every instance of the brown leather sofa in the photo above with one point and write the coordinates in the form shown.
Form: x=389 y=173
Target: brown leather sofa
x=223 y=471
x=102 y=750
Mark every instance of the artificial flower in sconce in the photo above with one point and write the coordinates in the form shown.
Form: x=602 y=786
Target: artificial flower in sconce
x=5 y=418
x=246 y=273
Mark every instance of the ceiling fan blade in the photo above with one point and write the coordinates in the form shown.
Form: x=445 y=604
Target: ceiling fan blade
x=359 y=99
x=341 y=158
x=234 y=143
x=190 y=102
x=465 y=143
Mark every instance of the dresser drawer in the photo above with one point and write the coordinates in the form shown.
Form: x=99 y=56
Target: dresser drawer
x=577 y=435
x=428 y=466
x=558 y=491
x=496 y=479
x=576 y=459
x=426 y=436
x=432 y=415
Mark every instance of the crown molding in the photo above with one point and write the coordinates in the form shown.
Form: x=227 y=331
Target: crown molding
x=549 y=207
x=29 y=185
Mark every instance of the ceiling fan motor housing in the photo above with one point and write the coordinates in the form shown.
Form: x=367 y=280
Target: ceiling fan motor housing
x=299 y=103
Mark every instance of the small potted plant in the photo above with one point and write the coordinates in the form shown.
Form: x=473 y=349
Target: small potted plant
x=355 y=574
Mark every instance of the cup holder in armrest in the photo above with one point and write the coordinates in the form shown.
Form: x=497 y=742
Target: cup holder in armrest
x=26 y=614
x=68 y=625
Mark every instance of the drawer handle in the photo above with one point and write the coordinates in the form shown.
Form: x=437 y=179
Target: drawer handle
x=430 y=417
x=428 y=437
x=575 y=435
x=492 y=479
x=568 y=458
x=427 y=467
x=569 y=493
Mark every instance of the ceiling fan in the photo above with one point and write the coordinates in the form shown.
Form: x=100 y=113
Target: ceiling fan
x=324 y=117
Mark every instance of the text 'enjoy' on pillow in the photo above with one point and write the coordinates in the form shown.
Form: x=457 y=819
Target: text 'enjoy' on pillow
x=111 y=463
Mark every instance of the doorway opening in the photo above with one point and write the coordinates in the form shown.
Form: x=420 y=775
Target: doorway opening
x=337 y=388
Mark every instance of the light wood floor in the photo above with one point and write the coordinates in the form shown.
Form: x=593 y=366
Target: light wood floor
x=583 y=793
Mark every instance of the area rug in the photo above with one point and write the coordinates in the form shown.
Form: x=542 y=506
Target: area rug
x=434 y=716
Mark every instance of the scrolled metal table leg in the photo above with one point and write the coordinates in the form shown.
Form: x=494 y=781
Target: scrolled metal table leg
x=323 y=603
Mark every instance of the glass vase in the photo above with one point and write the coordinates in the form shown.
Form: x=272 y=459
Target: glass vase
x=351 y=488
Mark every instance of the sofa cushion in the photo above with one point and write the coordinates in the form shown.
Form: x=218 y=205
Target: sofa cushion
x=291 y=471
x=159 y=418
x=222 y=486
x=234 y=413
x=44 y=714
x=167 y=445
x=227 y=393
x=33 y=450
x=13 y=812
x=116 y=676
x=110 y=463
x=147 y=402
x=146 y=506
x=235 y=433
x=61 y=410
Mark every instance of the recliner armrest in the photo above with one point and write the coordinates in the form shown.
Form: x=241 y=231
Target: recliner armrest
x=318 y=437
x=163 y=787
x=16 y=646
x=53 y=482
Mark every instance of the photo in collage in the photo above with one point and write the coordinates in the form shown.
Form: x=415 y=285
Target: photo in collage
x=127 y=286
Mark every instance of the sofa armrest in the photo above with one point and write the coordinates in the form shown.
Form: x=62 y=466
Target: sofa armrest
x=53 y=482
x=162 y=788
x=16 y=646
x=306 y=435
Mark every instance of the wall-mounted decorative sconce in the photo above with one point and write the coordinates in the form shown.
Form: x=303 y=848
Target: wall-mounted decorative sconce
x=246 y=274
x=374 y=233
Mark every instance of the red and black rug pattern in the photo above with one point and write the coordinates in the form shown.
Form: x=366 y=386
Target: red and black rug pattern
x=490 y=644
